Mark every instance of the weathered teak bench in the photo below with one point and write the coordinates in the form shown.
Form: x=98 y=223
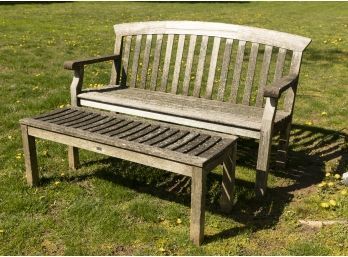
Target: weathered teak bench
x=191 y=152
x=221 y=77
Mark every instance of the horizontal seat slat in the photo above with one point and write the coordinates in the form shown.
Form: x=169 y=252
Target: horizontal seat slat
x=183 y=106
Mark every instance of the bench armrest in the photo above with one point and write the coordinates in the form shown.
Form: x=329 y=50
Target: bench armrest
x=72 y=65
x=279 y=86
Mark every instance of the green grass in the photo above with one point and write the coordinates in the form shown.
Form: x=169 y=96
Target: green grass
x=112 y=207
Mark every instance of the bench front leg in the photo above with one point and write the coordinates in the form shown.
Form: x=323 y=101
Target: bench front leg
x=73 y=157
x=30 y=158
x=265 y=144
x=228 y=180
x=198 y=191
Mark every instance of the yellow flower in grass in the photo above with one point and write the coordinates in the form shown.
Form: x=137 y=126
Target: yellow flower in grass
x=332 y=203
x=344 y=192
x=323 y=113
x=309 y=123
x=328 y=174
x=57 y=183
x=331 y=184
x=337 y=176
x=322 y=184
x=324 y=205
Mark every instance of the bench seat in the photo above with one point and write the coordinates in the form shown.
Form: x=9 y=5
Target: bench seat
x=179 y=109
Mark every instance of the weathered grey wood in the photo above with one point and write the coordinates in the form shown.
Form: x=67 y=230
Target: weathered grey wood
x=198 y=191
x=177 y=64
x=189 y=61
x=280 y=64
x=250 y=73
x=156 y=61
x=135 y=61
x=166 y=64
x=237 y=71
x=54 y=115
x=76 y=85
x=146 y=59
x=200 y=66
x=283 y=145
x=29 y=149
x=228 y=180
x=224 y=69
x=214 y=29
x=212 y=68
x=172 y=139
x=205 y=146
x=115 y=70
x=265 y=146
x=264 y=74
x=73 y=157
x=193 y=144
x=295 y=66
x=125 y=59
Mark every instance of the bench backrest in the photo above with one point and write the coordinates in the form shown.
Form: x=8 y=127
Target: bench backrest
x=218 y=61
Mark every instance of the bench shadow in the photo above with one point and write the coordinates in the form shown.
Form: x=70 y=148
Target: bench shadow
x=310 y=148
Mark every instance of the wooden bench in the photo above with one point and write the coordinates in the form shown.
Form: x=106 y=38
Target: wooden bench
x=191 y=152
x=221 y=77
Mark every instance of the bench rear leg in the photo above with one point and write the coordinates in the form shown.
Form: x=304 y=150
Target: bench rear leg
x=282 y=152
x=198 y=191
x=73 y=156
x=30 y=157
x=228 y=180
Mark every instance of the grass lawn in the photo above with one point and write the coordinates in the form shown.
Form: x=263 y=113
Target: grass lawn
x=112 y=207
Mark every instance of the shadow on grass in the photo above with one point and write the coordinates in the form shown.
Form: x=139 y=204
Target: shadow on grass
x=310 y=149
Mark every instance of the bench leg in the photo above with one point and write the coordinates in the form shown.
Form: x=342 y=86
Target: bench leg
x=73 y=156
x=198 y=191
x=29 y=147
x=228 y=180
x=282 y=152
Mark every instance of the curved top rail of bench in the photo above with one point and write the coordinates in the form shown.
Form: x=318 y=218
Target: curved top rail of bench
x=239 y=32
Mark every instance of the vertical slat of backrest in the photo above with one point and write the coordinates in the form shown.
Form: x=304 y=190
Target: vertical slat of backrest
x=200 y=66
x=156 y=61
x=125 y=59
x=237 y=71
x=224 y=69
x=177 y=64
x=135 y=61
x=250 y=73
x=146 y=59
x=280 y=63
x=166 y=64
x=264 y=74
x=212 y=67
x=190 y=55
x=115 y=70
x=294 y=69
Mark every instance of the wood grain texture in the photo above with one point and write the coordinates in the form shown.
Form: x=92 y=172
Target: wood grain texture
x=279 y=64
x=264 y=74
x=177 y=65
x=166 y=64
x=237 y=71
x=135 y=61
x=200 y=66
x=30 y=158
x=146 y=59
x=250 y=73
x=212 y=68
x=189 y=61
x=125 y=59
x=156 y=61
x=224 y=69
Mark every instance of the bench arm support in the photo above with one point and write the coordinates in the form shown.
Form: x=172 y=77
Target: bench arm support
x=276 y=89
x=75 y=64
x=78 y=67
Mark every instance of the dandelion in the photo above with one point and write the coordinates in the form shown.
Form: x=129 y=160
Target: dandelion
x=161 y=249
x=57 y=183
x=323 y=113
x=337 y=176
x=2 y=231
x=324 y=205
x=178 y=221
x=330 y=184
x=9 y=137
x=322 y=184
x=328 y=174
x=62 y=174
x=344 y=192
x=309 y=123
x=332 y=203
x=61 y=106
